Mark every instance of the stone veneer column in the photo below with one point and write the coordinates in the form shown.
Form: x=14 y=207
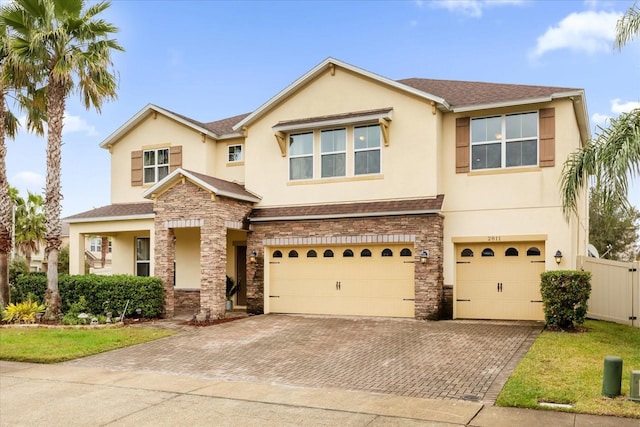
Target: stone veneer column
x=213 y=267
x=429 y=277
x=164 y=254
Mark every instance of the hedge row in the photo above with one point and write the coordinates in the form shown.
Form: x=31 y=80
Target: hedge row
x=103 y=293
x=565 y=294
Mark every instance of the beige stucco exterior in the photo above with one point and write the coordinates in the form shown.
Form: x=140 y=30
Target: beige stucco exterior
x=413 y=129
x=418 y=162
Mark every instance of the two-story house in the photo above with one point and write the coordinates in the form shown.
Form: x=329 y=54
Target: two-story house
x=349 y=193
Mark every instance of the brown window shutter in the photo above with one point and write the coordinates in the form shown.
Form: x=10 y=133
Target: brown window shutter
x=463 y=127
x=547 y=137
x=175 y=158
x=136 y=168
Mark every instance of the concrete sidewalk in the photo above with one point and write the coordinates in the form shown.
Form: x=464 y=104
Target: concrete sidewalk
x=64 y=395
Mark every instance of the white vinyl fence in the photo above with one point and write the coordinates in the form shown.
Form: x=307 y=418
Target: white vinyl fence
x=615 y=290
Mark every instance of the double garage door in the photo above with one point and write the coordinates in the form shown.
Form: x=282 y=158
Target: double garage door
x=374 y=280
x=499 y=280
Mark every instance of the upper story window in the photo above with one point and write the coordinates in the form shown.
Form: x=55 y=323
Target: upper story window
x=235 y=153
x=504 y=141
x=301 y=156
x=336 y=148
x=333 y=149
x=367 y=149
x=155 y=164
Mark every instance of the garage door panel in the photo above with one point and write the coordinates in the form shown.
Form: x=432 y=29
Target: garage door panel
x=503 y=286
x=373 y=285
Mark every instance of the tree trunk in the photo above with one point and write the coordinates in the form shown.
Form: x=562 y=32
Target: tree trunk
x=56 y=93
x=6 y=212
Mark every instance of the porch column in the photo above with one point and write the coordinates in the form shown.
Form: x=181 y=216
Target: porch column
x=76 y=252
x=213 y=267
x=164 y=254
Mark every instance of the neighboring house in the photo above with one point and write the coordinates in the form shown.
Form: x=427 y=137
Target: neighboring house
x=352 y=194
x=38 y=261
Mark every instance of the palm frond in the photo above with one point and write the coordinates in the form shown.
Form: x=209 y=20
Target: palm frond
x=627 y=27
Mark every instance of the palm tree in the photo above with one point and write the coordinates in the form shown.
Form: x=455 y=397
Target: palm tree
x=72 y=48
x=628 y=26
x=30 y=225
x=614 y=155
x=13 y=83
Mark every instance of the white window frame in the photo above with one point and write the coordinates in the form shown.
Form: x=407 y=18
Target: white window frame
x=502 y=139
x=361 y=150
x=311 y=155
x=232 y=156
x=332 y=153
x=156 y=166
x=143 y=261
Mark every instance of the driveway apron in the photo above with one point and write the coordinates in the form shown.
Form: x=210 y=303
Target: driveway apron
x=436 y=360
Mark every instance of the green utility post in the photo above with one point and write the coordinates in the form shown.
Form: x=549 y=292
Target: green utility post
x=612 y=376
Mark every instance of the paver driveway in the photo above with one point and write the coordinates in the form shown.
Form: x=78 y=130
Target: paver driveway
x=437 y=360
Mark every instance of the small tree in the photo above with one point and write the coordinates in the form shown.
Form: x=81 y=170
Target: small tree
x=564 y=295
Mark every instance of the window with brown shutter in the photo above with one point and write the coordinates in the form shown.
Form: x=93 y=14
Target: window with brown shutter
x=462 y=144
x=547 y=137
x=136 y=168
x=175 y=157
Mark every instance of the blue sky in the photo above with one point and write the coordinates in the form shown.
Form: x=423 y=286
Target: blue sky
x=214 y=59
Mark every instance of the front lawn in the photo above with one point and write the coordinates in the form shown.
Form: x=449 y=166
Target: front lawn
x=567 y=368
x=52 y=345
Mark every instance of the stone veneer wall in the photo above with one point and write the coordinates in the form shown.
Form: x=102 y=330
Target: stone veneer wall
x=186 y=300
x=427 y=228
x=187 y=205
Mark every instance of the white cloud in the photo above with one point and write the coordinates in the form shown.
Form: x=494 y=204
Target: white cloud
x=471 y=8
x=588 y=31
x=600 y=119
x=71 y=124
x=28 y=180
x=618 y=107
x=78 y=124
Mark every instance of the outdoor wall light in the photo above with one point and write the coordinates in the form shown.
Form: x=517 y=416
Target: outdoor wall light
x=253 y=256
x=424 y=255
x=558 y=256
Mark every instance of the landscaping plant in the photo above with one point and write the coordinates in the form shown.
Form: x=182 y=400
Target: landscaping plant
x=564 y=296
x=22 y=312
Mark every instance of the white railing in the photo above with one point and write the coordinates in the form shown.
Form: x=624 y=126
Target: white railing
x=615 y=290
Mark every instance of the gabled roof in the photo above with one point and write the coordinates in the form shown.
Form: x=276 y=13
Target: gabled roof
x=219 y=129
x=117 y=211
x=215 y=185
x=325 y=65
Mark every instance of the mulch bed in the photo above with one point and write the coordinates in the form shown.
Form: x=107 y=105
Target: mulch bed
x=211 y=322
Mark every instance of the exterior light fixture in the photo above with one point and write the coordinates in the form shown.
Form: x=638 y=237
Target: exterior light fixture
x=558 y=256
x=253 y=256
x=424 y=255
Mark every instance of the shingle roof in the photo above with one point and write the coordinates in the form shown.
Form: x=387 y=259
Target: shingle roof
x=222 y=185
x=114 y=210
x=349 y=209
x=352 y=115
x=224 y=126
x=463 y=93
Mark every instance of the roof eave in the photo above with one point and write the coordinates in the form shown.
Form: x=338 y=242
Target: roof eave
x=110 y=218
x=516 y=102
x=345 y=215
x=170 y=179
x=141 y=115
x=317 y=70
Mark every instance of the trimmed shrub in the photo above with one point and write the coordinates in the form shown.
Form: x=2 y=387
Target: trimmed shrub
x=565 y=294
x=102 y=293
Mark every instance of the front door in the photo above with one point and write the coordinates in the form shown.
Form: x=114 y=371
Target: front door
x=241 y=275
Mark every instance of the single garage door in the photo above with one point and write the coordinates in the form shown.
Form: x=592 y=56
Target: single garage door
x=374 y=280
x=499 y=280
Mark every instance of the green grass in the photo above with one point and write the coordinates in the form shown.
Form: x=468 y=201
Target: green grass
x=52 y=345
x=565 y=367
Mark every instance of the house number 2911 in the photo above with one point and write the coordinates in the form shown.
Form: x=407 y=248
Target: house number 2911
x=493 y=238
